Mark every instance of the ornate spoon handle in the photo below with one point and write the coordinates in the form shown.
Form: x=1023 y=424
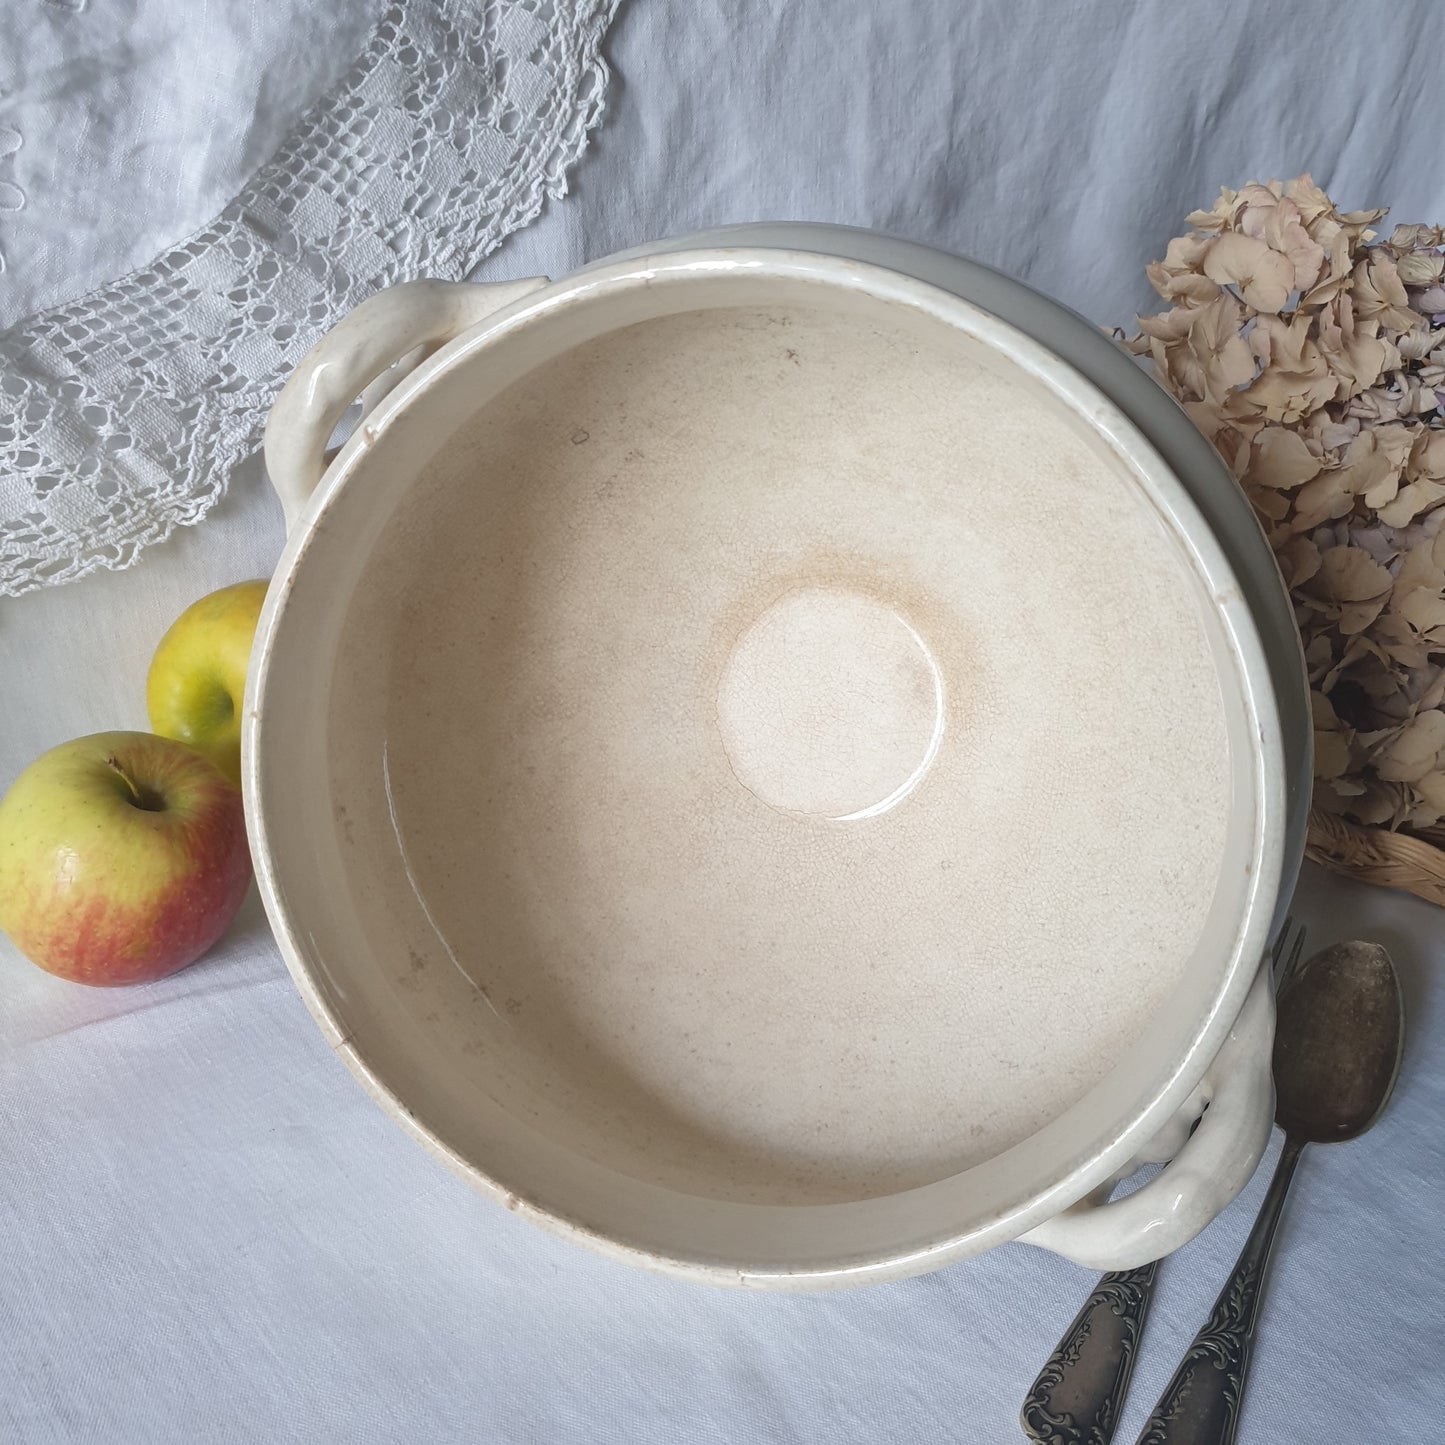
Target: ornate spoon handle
x=1200 y=1405
x=1076 y=1398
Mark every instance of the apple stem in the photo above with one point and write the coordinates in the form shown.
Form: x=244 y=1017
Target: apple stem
x=139 y=797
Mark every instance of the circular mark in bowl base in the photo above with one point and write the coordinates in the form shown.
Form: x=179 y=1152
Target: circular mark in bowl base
x=831 y=705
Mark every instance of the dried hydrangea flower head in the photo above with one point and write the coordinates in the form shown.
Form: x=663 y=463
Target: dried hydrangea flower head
x=1311 y=353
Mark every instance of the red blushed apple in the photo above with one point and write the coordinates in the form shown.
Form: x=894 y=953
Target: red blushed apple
x=123 y=857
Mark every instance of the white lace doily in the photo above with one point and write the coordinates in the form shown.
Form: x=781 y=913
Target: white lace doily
x=123 y=412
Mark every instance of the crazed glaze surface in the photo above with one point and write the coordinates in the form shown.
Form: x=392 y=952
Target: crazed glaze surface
x=765 y=755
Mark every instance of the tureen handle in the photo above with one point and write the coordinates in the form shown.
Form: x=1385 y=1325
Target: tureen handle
x=364 y=355
x=1210 y=1168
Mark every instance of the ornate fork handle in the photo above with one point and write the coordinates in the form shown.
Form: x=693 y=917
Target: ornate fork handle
x=1076 y=1398
x=1200 y=1404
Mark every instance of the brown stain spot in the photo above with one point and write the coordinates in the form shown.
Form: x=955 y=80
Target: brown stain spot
x=512 y=1006
x=792 y=356
x=416 y=960
x=968 y=690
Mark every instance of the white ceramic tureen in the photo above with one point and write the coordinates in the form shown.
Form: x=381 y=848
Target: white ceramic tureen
x=779 y=756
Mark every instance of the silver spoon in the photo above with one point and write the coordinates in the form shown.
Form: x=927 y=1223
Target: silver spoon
x=1078 y=1394
x=1337 y=1052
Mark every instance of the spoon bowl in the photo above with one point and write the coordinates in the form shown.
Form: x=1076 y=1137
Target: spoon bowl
x=1338 y=1043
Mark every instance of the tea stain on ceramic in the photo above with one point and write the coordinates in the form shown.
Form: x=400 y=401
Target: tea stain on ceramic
x=831 y=705
x=841 y=650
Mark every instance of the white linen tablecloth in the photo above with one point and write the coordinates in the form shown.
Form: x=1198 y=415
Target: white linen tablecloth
x=209 y=1233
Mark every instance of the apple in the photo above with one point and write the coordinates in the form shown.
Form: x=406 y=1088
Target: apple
x=198 y=674
x=122 y=858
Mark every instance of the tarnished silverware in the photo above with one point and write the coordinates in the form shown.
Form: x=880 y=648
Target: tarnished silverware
x=1337 y=1053
x=1078 y=1394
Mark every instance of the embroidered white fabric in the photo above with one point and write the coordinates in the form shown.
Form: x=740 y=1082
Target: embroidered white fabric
x=123 y=412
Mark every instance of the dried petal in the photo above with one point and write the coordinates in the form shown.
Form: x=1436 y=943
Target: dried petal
x=1281 y=459
x=1318 y=500
x=1396 y=442
x=1431 y=301
x=1323 y=712
x=1168 y=326
x=1332 y=755
x=1400 y=643
x=1427 y=456
x=1419 y=268
x=1268 y=215
x=1424 y=609
x=1357 y=223
x=1415 y=236
x=1348 y=575
x=1432 y=694
x=1283 y=396
x=1264 y=277
x=1213 y=358
x=1355 y=617
x=1352 y=348
x=1372 y=464
x=1412 y=499
x=1423 y=564
x=1337 y=271
x=1416 y=751
x=1417 y=343
x=1331 y=435
x=1379 y=292
x=1270 y=504
x=1432 y=789
x=1376 y=805
x=1299 y=560
x=1186 y=286
x=1179 y=275
x=1312 y=202
x=1378 y=405
x=1218 y=216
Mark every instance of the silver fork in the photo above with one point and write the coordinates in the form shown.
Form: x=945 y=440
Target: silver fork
x=1077 y=1396
x=1288 y=951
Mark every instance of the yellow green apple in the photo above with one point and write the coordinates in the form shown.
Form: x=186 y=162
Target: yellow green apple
x=122 y=858
x=198 y=674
